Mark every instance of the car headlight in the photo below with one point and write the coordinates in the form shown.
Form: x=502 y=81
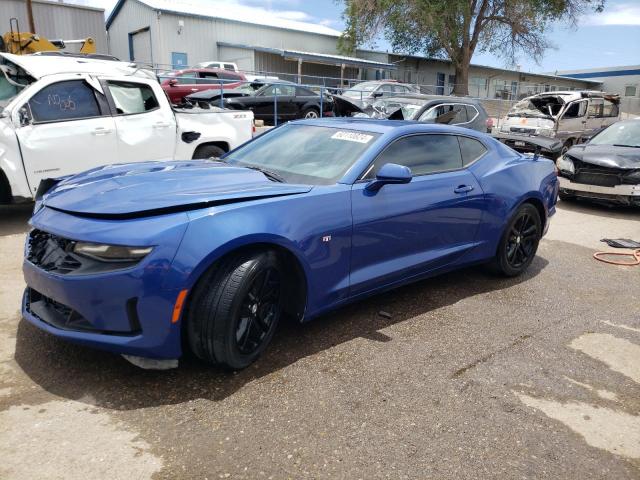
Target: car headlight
x=546 y=132
x=111 y=253
x=565 y=164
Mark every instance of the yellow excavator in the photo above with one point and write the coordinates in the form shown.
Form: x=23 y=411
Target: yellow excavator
x=24 y=43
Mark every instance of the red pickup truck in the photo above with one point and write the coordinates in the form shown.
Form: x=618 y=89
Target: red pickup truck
x=180 y=83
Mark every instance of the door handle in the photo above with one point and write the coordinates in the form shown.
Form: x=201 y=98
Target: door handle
x=101 y=131
x=463 y=189
x=161 y=125
x=194 y=89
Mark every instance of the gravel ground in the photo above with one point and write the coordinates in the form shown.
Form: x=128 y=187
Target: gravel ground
x=473 y=376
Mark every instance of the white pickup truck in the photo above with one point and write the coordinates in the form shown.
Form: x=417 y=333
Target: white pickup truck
x=64 y=115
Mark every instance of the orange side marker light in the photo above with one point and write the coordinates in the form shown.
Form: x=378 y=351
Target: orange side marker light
x=177 y=309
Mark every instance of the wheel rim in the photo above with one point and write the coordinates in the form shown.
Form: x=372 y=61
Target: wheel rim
x=522 y=240
x=311 y=114
x=259 y=311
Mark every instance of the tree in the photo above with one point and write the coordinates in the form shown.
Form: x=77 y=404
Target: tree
x=455 y=29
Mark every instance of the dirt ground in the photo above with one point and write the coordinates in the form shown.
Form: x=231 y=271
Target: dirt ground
x=472 y=377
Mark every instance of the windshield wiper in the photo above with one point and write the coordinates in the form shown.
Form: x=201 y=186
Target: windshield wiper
x=267 y=173
x=620 y=145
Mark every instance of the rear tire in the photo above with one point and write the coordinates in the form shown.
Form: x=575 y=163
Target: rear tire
x=519 y=242
x=204 y=152
x=235 y=309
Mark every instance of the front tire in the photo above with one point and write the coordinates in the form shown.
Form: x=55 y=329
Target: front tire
x=519 y=242
x=204 y=152
x=235 y=310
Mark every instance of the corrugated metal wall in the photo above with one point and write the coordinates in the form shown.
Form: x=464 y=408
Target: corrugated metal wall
x=55 y=20
x=132 y=17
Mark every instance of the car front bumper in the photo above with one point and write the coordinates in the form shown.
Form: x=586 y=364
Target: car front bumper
x=627 y=194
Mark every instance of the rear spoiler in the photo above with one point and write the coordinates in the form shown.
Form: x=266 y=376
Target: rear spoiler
x=530 y=143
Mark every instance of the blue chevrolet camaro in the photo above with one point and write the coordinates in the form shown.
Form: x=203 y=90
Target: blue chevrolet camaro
x=312 y=215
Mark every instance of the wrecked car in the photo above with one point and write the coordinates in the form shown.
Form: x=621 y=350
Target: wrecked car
x=149 y=259
x=75 y=114
x=570 y=117
x=606 y=168
x=365 y=93
x=445 y=110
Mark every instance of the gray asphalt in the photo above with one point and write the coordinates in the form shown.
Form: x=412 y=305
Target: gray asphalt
x=473 y=377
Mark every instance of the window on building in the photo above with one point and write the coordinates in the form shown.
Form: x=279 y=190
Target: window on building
x=62 y=101
x=131 y=98
x=423 y=154
x=630 y=91
x=440 y=77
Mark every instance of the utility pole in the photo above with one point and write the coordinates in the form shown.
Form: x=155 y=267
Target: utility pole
x=32 y=25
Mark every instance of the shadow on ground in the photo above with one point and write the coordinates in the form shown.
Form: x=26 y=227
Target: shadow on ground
x=14 y=218
x=107 y=380
x=600 y=209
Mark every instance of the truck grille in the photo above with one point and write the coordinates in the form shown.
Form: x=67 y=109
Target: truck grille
x=52 y=253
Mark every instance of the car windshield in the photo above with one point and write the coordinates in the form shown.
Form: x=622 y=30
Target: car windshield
x=362 y=89
x=623 y=134
x=304 y=153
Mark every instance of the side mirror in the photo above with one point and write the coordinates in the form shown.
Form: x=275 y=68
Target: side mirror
x=377 y=94
x=389 y=173
x=24 y=117
x=173 y=82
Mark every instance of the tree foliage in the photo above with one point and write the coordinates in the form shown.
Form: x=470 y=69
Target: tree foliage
x=456 y=29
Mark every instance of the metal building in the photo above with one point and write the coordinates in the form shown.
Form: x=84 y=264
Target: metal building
x=57 y=20
x=170 y=34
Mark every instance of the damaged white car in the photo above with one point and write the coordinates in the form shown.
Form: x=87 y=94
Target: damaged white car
x=67 y=115
x=568 y=117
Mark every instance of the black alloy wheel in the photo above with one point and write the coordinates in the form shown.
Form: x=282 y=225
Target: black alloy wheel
x=235 y=308
x=519 y=242
x=259 y=310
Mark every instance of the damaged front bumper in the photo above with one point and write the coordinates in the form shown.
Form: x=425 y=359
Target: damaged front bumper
x=527 y=143
x=622 y=194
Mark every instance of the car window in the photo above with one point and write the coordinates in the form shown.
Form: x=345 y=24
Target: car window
x=576 y=109
x=208 y=75
x=69 y=100
x=449 y=114
x=399 y=89
x=609 y=109
x=280 y=90
x=385 y=88
x=229 y=66
x=131 y=98
x=471 y=150
x=472 y=112
x=423 y=154
x=595 y=108
x=304 y=92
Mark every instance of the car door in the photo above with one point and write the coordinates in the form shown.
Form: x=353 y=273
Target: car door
x=594 y=117
x=66 y=128
x=144 y=121
x=573 y=121
x=408 y=229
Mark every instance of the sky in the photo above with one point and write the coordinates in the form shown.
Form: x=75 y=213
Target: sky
x=611 y=38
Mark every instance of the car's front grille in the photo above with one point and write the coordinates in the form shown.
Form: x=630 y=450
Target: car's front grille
x=54 y=313
x=590 y=174
x=52 y=253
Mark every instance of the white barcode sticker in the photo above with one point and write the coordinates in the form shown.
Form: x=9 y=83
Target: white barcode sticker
x=352 y=136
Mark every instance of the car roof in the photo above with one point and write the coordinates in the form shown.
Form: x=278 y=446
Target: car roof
x=39 y=66
x=384 y=126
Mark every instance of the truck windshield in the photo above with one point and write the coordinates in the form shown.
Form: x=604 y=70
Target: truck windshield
x=304 y=153
x=541 y=107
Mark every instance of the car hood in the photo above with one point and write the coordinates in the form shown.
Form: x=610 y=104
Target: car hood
x=155 y=188
x=607 y=155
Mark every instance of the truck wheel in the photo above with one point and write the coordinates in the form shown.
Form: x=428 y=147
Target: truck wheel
x=235 y=309
x=208 y=151
x=567 y=145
